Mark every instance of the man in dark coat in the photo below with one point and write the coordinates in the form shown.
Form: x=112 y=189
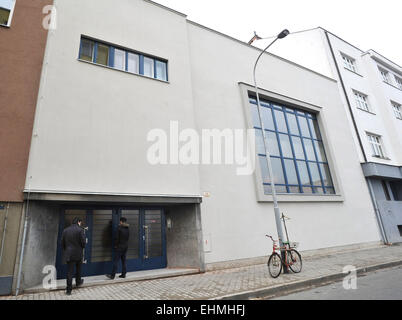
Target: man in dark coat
x=121 y=246
x=73 y=242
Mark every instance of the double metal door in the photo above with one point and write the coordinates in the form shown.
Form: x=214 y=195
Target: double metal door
x=146 y=248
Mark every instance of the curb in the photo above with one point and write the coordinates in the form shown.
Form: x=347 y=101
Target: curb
x=303 y=284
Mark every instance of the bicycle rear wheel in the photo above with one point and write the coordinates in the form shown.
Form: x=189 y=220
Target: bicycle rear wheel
x=274 y=265
x=294 y=260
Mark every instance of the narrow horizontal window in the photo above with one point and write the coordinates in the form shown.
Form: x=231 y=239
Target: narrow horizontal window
x=122 y=59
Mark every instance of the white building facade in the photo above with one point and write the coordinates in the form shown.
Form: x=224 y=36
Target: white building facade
x=371 y=90
x=111 y=87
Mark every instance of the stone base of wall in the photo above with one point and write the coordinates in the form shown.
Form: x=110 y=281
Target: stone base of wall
x=305 y=255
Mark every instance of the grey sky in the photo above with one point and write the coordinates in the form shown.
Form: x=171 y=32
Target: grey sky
x=367 y=24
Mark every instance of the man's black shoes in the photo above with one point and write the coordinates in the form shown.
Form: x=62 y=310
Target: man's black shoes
x=80 y=283
x=110 y=276
x=122 y=276
x=68 y=293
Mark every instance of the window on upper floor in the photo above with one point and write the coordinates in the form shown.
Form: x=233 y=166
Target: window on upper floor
x=362 y=101
x=6 y=12
x=296 y=149
x=398 y=82
x=376 y=145
x=122 y=59
x=384 y=75
x=349 y=63
x=397 y=110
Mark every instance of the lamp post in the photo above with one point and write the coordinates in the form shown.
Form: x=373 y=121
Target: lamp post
x=282 y=35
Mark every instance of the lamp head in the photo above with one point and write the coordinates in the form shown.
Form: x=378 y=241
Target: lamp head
x=283 y=34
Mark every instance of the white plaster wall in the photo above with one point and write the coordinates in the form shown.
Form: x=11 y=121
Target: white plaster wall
x=306 y=48
x=233 y=221
x=386 y=93
x=310 y=49
x=92 y=122
x=379 y=95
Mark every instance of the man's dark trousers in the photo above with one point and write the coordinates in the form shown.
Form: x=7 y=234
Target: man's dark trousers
x=70 y=272
x=120 y=254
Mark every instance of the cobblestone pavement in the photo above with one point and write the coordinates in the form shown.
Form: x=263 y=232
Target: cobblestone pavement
x=223 y=282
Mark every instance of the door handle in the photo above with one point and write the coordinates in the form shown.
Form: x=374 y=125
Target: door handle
x=146 y=239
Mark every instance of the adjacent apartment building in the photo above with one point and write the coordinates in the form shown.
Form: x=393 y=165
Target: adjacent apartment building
x=370 y=86
x=22 y=46
x=113 y=90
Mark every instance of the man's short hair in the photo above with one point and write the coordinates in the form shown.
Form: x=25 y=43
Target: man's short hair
x=122 y=219
x=76 y=220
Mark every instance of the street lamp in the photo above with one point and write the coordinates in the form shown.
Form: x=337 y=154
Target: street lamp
x=282 y=35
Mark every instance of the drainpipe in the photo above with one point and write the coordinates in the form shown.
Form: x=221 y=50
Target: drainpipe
x=346 y=96
x=23 y=245
x=4 y=234
x=377 y=211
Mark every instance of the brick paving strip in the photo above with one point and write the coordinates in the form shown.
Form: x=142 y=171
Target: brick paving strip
x=236 y=283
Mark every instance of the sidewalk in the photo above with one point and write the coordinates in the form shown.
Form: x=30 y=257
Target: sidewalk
x=237 y=283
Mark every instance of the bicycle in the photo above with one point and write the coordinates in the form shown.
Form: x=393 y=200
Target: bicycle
x=275 y=263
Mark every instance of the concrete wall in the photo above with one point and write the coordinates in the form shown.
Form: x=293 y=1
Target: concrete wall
x=40 y=243
x=233 y=221
x=9 y=230
x=183 y=239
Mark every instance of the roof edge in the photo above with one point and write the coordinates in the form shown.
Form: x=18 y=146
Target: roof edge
x=260 y=50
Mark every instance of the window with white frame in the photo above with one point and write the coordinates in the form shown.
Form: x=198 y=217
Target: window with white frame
x=361 y=101
x=398 y=82
x=349 y=63
x=384 y=74
x=6 y=12
x=397 y=110
x=376 y=145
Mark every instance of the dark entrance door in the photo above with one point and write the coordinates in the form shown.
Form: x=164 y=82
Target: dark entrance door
x=147 y=245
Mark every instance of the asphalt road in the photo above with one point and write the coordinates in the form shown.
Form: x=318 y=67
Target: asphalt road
x=380 y=285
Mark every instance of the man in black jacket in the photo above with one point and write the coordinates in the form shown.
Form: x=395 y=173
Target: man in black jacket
x=73 y=242
x=121 y=246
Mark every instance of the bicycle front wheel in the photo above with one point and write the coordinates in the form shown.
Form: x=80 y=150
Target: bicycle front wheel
x=294 y=260
x=274 y=265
